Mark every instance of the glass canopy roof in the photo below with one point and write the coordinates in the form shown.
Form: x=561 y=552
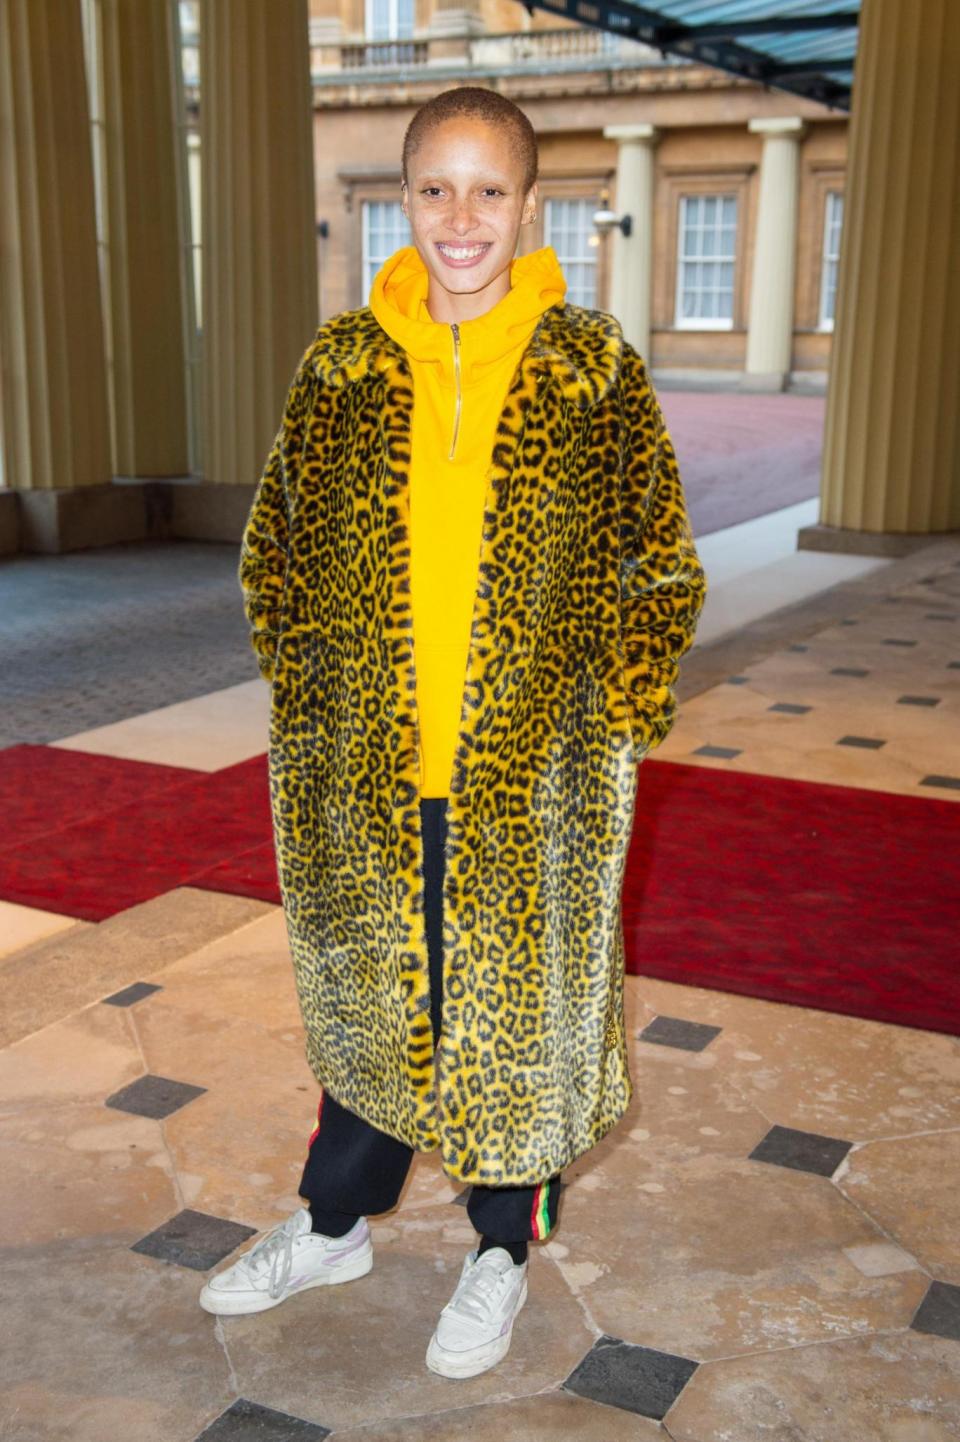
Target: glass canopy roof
x=804 y=46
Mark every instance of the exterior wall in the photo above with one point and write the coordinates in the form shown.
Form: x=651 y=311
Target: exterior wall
x=704 y=146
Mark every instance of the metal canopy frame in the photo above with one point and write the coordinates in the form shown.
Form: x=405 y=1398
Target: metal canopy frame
x=807 y=47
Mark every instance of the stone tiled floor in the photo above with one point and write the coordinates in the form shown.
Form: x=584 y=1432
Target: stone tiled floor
x=740 y=1258
x=765 y=1249
x=871 y=700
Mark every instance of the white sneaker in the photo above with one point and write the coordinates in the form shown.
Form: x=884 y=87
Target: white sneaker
x=476 y=1325
x=289 y=1259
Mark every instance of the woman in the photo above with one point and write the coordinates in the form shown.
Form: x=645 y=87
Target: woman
x=470 y=577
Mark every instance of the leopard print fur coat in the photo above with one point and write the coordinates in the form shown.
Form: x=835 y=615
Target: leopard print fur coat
x=588 y=592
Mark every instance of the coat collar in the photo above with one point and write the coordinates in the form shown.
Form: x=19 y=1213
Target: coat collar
x=580 y=348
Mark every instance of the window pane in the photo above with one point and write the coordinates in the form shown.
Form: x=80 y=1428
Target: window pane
x=568 y=227
x=385 y=230
x=833 y=220
x=706 y=246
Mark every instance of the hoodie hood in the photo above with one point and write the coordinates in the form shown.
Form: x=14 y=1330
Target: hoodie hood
x=398 y=299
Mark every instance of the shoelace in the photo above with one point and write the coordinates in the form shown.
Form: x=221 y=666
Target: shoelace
x=476 y=1291
x=276 y=1248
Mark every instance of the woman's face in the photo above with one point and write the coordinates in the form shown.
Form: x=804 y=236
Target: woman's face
x=465 y=202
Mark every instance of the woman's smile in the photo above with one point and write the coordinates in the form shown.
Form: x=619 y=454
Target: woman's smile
x=462 y=255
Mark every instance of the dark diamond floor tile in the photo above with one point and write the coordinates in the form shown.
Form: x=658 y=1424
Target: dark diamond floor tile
x=951 y=782
x=709 y=750
x=460 y=1200
x=249 y=1422
x=790 y=708
x=803 y=1151
x=918 y=700
x=638 y=1379
x=868 y=743
x=676 y=1031
x=895 y=641
x=939 y=1312
x=848 y=671
x=953 y=665
x=849 y=623
x=795 y=646
x=135 y=992
x=739 y=680
x=153 y=1096
x=193 y=1239
x=940 y=616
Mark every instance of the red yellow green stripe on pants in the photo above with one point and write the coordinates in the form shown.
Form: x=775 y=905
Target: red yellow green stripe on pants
x=543 y=1211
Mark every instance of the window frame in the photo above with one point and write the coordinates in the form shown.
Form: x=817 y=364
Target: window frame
x=833 y=194
x=365 y=262
x=672 y=182
x=593 y=260
x=704 y=322
x=394 y=29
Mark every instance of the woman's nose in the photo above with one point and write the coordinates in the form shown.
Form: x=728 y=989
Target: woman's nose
x=463 y=216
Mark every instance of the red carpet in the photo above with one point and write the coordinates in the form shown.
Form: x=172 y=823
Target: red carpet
x=824 y=896
x=88 y=836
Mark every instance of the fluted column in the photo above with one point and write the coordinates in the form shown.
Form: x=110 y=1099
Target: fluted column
x=891 y=459
x=56 y=429
x=145 y=264
x=259 y=236
x=632 y=254
x=770 y=334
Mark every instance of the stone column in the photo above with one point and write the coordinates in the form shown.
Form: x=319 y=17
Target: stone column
x=144 y=259
x=891 y=459
x=56 y=428
x=632 y=254
x=260 y=306
x=770 y=335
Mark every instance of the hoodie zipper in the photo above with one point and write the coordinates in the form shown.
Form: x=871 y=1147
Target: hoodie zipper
x=456 y=373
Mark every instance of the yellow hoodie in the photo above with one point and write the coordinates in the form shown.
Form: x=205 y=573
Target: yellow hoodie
x=461 y=372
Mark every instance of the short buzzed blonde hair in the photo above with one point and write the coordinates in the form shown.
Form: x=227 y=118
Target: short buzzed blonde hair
x=475 y=100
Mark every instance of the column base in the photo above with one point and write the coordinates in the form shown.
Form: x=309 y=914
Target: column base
x=761 y=381
x=125 y=510
x=716 y=378
x=868 y=543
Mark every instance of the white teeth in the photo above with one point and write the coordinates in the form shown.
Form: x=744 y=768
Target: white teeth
x=463 y=252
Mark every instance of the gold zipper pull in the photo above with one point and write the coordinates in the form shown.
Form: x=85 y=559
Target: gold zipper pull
x=456 y=373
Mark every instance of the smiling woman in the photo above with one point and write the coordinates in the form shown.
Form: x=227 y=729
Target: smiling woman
x=470 y=577
x=469 y=181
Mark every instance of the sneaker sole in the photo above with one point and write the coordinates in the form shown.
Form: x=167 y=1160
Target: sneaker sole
x=226 y=1304
x=455 y=1364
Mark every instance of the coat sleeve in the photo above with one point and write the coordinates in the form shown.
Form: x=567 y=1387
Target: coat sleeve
x=662 y=582
x=264 y=545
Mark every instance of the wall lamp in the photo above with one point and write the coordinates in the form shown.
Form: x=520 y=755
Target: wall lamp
x=607 y=220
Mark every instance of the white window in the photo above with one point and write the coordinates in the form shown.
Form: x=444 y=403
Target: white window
x=568 y=227
x=385 y=229
x=706 y=251
x=832 y=226
x=389 y=19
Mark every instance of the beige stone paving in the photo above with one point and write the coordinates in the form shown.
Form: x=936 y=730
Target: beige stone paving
x=793 y=1292
x=920 y=740
x=668 y=1237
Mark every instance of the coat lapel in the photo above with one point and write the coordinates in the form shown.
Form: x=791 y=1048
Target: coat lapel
x=577 y=349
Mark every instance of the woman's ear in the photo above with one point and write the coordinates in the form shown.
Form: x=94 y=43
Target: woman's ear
x=403 y=202
x=530 y=205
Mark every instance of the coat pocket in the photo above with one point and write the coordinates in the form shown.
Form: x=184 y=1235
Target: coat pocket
x=625 y=711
